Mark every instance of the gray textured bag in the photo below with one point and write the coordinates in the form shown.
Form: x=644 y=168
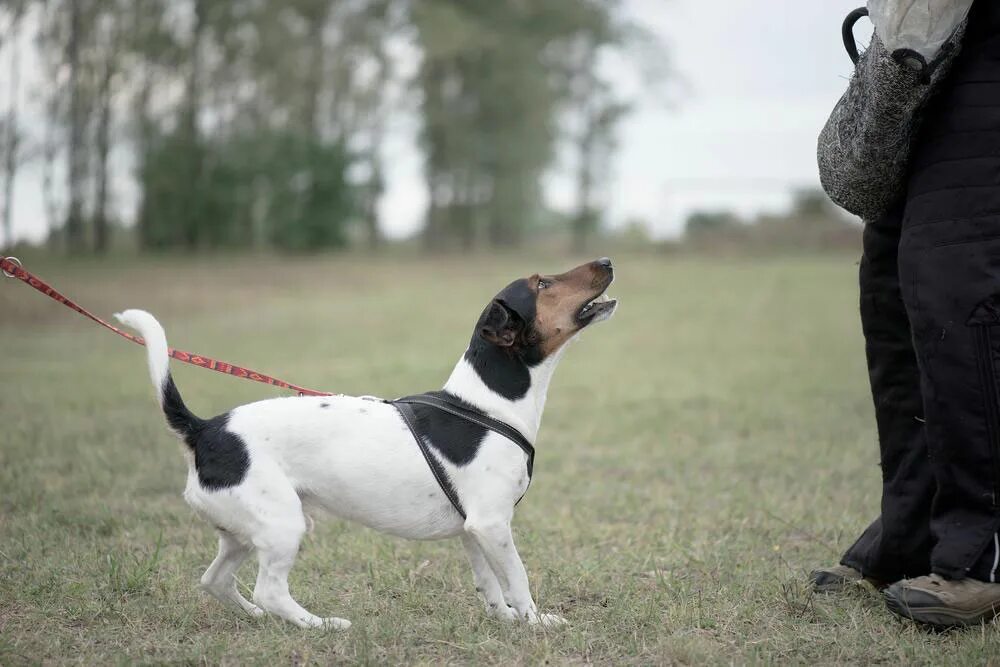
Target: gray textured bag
x=865 y=146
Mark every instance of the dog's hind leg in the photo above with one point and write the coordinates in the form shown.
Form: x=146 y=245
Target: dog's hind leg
x=219 y=579
x=276 y=551
x=486 y=582
x=279 y=529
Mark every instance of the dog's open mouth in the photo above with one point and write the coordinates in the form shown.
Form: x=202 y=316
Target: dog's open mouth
x=596 y=310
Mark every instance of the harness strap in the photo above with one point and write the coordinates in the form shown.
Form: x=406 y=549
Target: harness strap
x=462 y=412
x=476 y=417
x=11 y=268
x=440 y=474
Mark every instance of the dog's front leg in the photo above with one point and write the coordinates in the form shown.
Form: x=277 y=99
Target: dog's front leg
x=486 y=582
x=494 y=538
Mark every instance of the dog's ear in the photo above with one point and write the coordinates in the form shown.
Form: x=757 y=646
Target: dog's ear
x=501 y=326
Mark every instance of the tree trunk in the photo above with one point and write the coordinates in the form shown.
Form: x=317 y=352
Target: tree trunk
x=101 y=227
x=13 y=140
x=583 y=220
x=76 y=154
x=375 y=189
x=509 y=209
x=144 y=143
x=376 y=186
x=586 y=146
x=433 y=226
x=466 y=226
x=316 y=76
x=190 y=234
x=49 y=151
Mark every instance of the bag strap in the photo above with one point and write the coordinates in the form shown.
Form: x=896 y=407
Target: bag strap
x=847 y=33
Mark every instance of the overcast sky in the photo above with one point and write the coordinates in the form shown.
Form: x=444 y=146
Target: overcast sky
x=759 y=79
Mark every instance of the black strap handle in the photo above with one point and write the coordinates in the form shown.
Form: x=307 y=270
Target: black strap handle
x=847 y=33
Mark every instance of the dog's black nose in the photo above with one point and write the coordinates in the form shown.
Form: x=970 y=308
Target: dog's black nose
x=605 y=262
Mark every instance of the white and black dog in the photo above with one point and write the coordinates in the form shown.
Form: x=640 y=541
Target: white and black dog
x=444 y=464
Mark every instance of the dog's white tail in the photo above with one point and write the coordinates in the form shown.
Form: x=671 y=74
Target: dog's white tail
x=156 y=346
x=178 y=416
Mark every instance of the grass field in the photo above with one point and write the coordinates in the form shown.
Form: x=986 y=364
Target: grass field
x=700 y=453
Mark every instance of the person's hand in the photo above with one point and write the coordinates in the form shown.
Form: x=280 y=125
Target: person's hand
x=922 y=26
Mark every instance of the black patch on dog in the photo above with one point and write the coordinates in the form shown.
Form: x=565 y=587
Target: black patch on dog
x=324 y=405
x=505 y=370
x=179 y=418
x=220 y=456
x=454 y=438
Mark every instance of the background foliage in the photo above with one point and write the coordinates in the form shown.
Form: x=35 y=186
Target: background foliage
x=261 y=123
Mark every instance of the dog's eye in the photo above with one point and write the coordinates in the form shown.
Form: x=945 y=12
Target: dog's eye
x=542 y=284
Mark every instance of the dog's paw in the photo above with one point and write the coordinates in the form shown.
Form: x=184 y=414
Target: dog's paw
x=502 y=612
x=550 y=620
x=334 y=623
x=331 y=623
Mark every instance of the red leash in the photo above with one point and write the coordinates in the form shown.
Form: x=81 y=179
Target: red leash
x=11 y=268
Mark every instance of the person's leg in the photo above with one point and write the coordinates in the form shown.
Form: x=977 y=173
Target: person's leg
x=898 y=543
x=951 y=279
x=949 y=266
x=952 y=292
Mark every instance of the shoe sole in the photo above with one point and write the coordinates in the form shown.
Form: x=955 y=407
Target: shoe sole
x=941 y=617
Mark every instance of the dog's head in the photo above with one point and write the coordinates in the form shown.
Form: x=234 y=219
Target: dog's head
x=533 y=317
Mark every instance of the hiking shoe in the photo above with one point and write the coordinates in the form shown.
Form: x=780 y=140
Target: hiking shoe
x=838 y=578
x=942 y=602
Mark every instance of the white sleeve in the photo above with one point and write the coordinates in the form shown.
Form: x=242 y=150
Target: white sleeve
x=922 y=26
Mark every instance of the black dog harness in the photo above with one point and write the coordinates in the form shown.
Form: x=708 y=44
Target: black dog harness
x=442 y=403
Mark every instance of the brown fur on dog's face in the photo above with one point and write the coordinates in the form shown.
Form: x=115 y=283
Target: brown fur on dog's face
x=535 y=316
x=559 y=300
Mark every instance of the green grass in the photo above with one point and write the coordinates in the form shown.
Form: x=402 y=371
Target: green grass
x=700 y=453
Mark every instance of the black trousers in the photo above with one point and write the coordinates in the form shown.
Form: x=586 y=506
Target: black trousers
x=930 y=312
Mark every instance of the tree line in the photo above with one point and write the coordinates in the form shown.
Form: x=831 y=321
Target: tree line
x=262 y=123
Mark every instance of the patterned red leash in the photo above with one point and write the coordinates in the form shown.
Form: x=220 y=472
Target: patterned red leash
x=11 y=268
